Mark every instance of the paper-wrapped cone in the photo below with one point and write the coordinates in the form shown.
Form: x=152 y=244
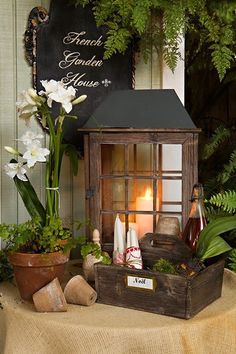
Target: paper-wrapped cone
x=119 y=243
x=133 y=252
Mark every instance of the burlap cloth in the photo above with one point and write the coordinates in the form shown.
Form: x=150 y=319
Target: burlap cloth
x=107 y=329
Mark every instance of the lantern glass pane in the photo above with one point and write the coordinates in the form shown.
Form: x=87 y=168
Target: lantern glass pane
x=171 y=190
x=113 y=194
x=108 y=221
x=141 y=194
x=172 y=157
x=112 y=159
x=140 y=189
x=141 y=158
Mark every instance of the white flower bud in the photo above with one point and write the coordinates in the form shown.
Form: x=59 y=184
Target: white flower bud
x=79 y=99
x=32 y=93
x=11 y=150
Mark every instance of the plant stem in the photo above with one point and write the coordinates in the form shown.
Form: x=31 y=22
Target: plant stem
x=50 y=184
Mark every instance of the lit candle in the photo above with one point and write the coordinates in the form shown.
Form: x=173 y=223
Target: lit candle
x=145 y=222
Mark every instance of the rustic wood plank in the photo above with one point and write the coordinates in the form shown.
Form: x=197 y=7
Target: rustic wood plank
x=206 y=287
x=174 y=295
x=7 y=107
x=156 y=246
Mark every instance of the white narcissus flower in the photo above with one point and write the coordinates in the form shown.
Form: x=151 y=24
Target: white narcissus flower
x=64 y=96
x=16 y=169
x=50 y=86
x=29 y=137
x=35 y=153
x=27 y=104
x=58 y=92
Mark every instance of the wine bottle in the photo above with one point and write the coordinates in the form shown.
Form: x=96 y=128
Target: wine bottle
x=197 y=218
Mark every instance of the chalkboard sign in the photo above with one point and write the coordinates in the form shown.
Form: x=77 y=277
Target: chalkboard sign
x=69 y=47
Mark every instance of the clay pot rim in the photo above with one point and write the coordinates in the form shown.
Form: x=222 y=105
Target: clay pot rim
x=71 y=281
x=37 y=259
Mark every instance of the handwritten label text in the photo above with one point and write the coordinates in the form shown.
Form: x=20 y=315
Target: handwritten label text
x=140 y=282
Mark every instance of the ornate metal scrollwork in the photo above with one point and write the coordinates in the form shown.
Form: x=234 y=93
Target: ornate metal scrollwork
x=37 y=16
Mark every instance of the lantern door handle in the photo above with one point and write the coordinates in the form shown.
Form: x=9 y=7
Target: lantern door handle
x=90 y=193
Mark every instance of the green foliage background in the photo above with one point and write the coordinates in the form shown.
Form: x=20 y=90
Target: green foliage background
x=160 y=24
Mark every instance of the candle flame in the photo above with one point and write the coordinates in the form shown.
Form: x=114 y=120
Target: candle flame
x=148 y=194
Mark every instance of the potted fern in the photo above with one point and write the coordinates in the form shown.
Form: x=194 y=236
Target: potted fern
x=35 y=247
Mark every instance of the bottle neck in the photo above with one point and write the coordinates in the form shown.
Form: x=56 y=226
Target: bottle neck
x=197 y=209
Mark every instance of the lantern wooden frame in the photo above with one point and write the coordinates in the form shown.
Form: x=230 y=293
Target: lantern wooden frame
x=94 y=138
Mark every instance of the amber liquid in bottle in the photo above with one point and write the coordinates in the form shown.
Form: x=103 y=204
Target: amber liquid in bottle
x=197 y=220
x=192 y=230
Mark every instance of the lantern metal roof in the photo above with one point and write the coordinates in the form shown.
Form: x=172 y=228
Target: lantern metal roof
x=140 y=109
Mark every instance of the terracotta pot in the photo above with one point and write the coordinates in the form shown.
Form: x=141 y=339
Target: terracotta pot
x=33 y=271
x=79 y=292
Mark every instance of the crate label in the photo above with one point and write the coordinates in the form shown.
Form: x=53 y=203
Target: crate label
x=142 y=283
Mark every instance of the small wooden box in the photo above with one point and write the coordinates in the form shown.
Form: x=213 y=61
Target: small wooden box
x=165 y=294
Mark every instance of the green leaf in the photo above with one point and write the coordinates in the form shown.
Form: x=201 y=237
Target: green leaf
x=220 y=135
x=71 y=151
x=30 y=199
x=91 y=248
x=217 y=246
x=71 y=117
x=206 y=244
x=232 y=260
x=225 y=200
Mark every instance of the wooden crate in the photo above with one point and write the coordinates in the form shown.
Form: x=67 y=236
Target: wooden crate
x=165 y=294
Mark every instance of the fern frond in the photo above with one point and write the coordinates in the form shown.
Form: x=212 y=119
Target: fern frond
x=232 y=259
x=79 y=2
x=194 y=6
x=226 y=201
x=229 y=169
x=211 y=187
x=125 y=10
x=141 y=15
x=171 y=57
x=173 y=28
x=105 y=11
x=220 y=135
x=212 y=213
x=221 y=58
x=212 y=21
x=116 y=42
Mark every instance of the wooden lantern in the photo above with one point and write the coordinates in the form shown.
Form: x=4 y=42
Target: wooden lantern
x=141 y=155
